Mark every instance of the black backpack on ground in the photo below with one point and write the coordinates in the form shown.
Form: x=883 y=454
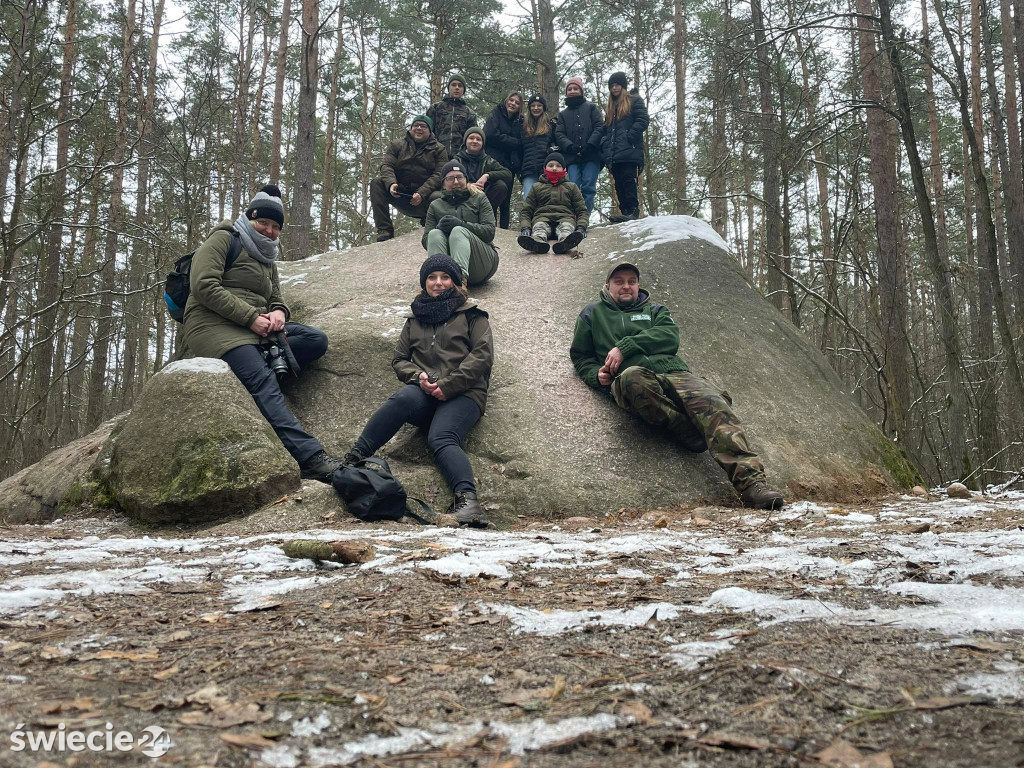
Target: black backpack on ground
x=177 y=287
x=372 y=493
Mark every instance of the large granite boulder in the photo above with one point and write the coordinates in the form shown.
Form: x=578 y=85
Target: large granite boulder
x=194 y=448
x=60 y=480
x=548 y=445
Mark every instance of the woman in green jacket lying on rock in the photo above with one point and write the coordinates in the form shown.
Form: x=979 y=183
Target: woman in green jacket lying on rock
x=443 y=360
x=234 y=307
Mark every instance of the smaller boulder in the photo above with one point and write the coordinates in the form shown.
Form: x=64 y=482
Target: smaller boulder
x=958 y=491
x=919 y=490
x=195 y=448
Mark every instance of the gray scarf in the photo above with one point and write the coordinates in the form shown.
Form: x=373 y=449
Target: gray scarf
x=260 y=247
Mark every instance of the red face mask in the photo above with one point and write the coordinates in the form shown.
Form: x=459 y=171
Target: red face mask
x=554 y=176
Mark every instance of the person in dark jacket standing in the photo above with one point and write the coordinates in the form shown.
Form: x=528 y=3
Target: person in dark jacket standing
x=537 y=135
x=625 y=345
x=443 y=360
x=578 y=135
x=483 y=170
x=504 y=143
x=410 y=172
x=231 y=312
x=622 y=143
x=452 y=116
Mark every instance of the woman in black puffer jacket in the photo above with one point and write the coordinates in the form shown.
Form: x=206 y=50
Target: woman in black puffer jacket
x=622 y=143
x=504 y=143
x=537 y=135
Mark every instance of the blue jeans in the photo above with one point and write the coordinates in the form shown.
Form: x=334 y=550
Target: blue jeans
x=584 y=175
x=528 y=181
x=447 y=424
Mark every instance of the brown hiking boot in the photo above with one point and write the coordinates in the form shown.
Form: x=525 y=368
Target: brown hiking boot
x=760 y=496
x=468 y=511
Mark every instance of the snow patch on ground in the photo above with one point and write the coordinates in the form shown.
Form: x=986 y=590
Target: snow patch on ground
x=1006 y=684
x=554 y=622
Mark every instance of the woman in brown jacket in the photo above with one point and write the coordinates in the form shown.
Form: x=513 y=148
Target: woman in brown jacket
x=232 y=310
x=443 y=360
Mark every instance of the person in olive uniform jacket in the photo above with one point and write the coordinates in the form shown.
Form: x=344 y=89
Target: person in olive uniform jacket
x=556 y=207
x=443 y=360
x=578 y=135
x=452 y=116
x=625 y=345
x=460 y=223
x=230 y=312
x=411 y=171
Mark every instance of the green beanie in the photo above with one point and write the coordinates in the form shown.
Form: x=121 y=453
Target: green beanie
x=474 y=129
x=457 y=78
x=422 y=119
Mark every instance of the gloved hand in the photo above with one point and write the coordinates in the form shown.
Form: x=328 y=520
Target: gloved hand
x=448 y=223
x=526 y=232
x=582 y=231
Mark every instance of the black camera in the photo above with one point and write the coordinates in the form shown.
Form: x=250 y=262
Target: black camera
x=274 y=357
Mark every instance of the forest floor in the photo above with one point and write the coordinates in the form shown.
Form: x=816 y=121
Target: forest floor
x=889 y=633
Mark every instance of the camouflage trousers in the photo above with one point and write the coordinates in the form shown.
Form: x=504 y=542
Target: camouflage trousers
x=697 y=412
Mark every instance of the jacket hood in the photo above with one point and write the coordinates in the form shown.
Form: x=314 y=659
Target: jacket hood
x=642 y=299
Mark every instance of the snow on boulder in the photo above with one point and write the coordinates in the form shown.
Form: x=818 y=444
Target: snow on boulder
x=194 y=448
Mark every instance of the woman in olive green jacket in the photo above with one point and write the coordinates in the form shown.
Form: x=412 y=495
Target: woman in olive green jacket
x=234 y=312
x=443 y=360
x=461 y=224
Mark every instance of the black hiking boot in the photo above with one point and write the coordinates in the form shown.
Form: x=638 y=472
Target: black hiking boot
x=761 y=496
x=568 y=242
x=525 y=242
x=320 y=466
x=351 y=459
x=540 y=244
x=468 y=511
x=618 y=218
x=382 y=236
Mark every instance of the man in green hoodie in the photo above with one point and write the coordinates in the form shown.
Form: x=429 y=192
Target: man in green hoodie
x=626 y=345
x=460 y=223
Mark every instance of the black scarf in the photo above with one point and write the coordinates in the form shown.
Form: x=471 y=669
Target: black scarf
x=456 y=197
x=473 y=163
x=574 y=101
x=434 y=310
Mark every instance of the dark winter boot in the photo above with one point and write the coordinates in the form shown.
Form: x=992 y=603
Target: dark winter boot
x=320 y=466
x=540 y=244
x=760 y=496
x=568 y=242
x=468 y=511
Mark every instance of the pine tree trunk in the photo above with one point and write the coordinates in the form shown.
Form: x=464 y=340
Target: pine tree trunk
x=1014 y=173
x=301 y=224
x=279 y=73
x=115 y=216
x=679 y=58
x=50 y=265
x=771 y=155
x=327 y=200
x=891 y=264
x=720 y=103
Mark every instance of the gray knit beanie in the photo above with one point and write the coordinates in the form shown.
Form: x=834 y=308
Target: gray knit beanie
x=266 y=205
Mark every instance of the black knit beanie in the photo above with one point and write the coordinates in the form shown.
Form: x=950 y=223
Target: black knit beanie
x=440 y=262
x=266 y=205
x=540 y=98
x=618 y=77
x=452 y=165
x=555 y=156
